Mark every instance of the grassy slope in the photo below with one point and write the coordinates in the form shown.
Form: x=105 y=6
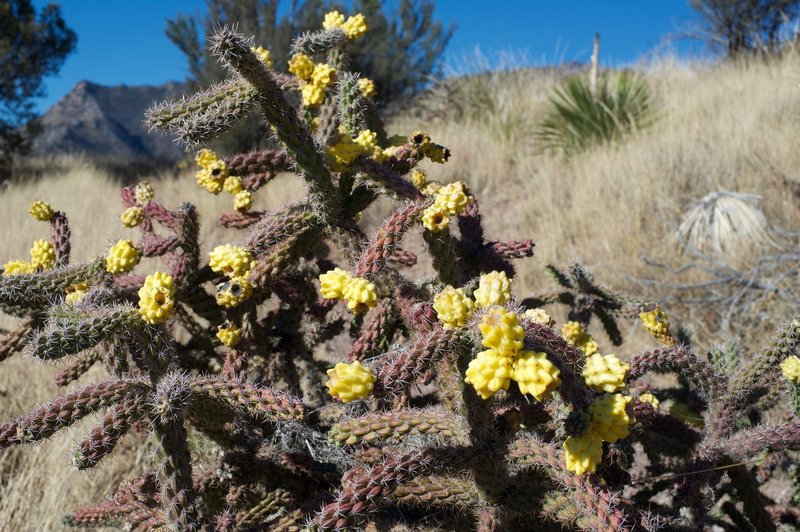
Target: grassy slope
x=733 y=127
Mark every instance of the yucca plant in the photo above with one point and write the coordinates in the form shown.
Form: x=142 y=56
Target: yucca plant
x=576 y=118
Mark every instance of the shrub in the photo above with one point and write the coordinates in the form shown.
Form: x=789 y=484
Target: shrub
x=576 y=119
x=525 y=425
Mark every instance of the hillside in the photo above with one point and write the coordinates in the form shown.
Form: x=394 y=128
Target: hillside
x=101 y=121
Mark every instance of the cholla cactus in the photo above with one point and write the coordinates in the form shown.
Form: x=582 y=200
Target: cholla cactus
x=527 y=423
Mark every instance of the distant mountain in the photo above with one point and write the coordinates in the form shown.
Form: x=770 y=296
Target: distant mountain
x=108 y=122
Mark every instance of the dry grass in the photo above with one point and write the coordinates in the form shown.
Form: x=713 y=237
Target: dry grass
x=731 y=127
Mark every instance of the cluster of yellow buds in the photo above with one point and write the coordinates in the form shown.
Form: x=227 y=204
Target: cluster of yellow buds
x=214 y=176
x=656 y=323
x=502 y=333
x=43 y=257
x=235 y=262
x=354 y=27
x=539 y=316
x=574 y=334
x=367 y=88
x=122 y=257
x=450 y=200
x=359 y=293
x=229 y=334
x=349 y=382
x=605 y=373
x=263 y=55
x=608 y=421
x=132 y=216
x=144 y=192
x=790 y=368
x=73 y=294
x=157 y=298
x=343 y=153
x=649 y=398
x=314 y=79
x=41 y=211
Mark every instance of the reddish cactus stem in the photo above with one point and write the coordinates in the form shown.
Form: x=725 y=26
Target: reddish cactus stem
x=388 y=238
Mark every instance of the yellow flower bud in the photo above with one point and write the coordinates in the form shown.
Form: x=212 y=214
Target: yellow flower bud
x=355 y=27
x=349 y=382
x=535 y=374
x=229 y=334
x=539 y=316
x=360 y=294
x=502 y=331
x=132 y=216
x=43 y=254
x=144 y=192
x=605 y=373
x=17 y=267
x=452 y=198
x=452 y=307
x=263 y=55
x=233 y=261
x=333 y=20
x=367 y=88
x=494 y=289
x=233 y=184
x=333 y=282
x=301 y=66
x=41 y=211
x=489 y=372
x=609 y=418
x=791 y=368
x=582 y=454
x=122 y=257
x=243 y=200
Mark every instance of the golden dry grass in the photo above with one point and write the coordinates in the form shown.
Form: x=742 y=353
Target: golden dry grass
x=731 y=127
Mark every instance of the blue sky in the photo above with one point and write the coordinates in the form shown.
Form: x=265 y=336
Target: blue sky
x=124 y=42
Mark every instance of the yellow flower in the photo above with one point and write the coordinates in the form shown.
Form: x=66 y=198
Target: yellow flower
x=43 y=255
x=538 y=315
x=435 y=219
x=344 y=153
x=17 y=267
x=313 y=95
x=489 y=372
x=333 y=20
x=583 y=453
x=419 y=139
x=573 y=332
x=588 y=346
x=75 y=293
x=502 y=331
x=301 y=66
x=233 y=261
x=605 y=373
x=360 y=294
x=609 y=418
x=791 y=368
x=333 y=282
x=452 y=307
x=649 y=398
x=212 y=176
x=263 y=55
x=367 y=88
x=656 y=323
x=122 y=257
x=419 y=178
x=493 y=289
x=233 y=292
x=41 y=211
x=431 y=188
x=157 y=298
x=367 y=139
x=436 y=153
x=233 y=184
x=355 y=27
x=535 y=374
x=243 y=200
x=349 y=382
x=452 y=198
x=205 y=157
x=144 y=192
x=229 y=334
x=323 y=75
x=132 y=216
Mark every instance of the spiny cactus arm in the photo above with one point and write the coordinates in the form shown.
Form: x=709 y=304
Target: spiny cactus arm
x=609 y=324
x=239 y=220
x=255 y=402
x=104 y=514
x=318 y=42
x=415 y=308
x=77 y=367
x=162 y=215
x=381 y=324
x=442 y=249
x=682 y=360
x=749 y=382
x=599 y=509
x=63 y=337
x=267 y=268
x=59 y=227
x=38 y=290
x=275 y=502
x=747 y=443
x=206 y=115
x=452 y=494
x=49 y=418
x=152 y=245
x=388 y=178
x=512 y=249
x=15 y=341
x=403 y=366
x=396 y=425
x=234 y=50
x=401 y=257
x=558 y=276
x=388 y=238
x=276 y=226
x=364 y=491
x=112 y=428
x=651 y=422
